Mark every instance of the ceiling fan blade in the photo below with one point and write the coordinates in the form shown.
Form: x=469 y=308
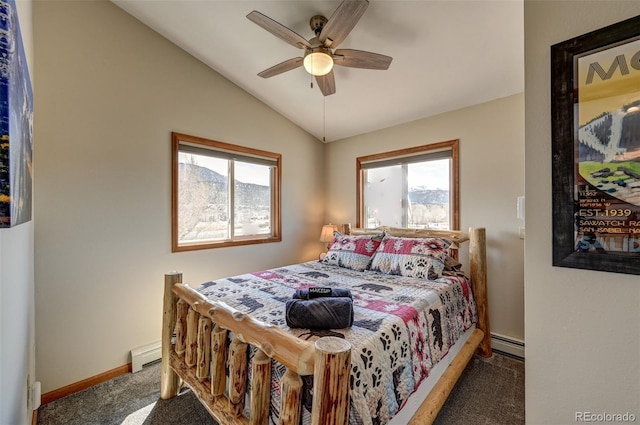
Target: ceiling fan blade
x=285 y=66
x=327 y=83
x=340 y=24
x=361 y=59
x=278 y=30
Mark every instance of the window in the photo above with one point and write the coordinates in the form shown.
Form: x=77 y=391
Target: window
x=223 y=194
x=415 y=187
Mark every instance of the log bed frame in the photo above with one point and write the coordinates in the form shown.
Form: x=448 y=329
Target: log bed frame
x=194 y=352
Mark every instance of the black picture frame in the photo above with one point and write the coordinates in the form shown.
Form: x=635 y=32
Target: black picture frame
x=595 y=220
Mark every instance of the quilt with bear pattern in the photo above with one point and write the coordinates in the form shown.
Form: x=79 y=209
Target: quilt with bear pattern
x=402 y=327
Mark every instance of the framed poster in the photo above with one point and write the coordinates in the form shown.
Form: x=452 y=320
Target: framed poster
x=16 y=122
x=595 y=112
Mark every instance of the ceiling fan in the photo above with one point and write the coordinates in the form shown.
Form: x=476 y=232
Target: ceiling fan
x=319 y=54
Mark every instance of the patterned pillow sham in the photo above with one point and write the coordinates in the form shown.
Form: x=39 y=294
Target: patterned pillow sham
x=411 y=257
x=352 y=252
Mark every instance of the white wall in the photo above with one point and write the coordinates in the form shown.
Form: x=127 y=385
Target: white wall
x=491 y=178
x=110 y=91
x=583 y=327
x=17 y=340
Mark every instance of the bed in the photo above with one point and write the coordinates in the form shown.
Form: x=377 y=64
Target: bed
x=228 y=341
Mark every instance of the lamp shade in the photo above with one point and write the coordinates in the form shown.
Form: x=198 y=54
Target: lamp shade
x=318 y=62
x=327 y=232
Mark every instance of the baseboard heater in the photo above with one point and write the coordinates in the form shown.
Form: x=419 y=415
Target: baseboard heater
x=512 y=346
x=142 y=356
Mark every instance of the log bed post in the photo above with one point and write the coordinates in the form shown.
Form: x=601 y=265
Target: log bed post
x=169 y=380
x=478 y=275
x=331 y=382
x=260 y=389
x=219 y=360
x=203 y=358
x=191 y=345
x=181 y=327
x=237 y=376
x=291 y=389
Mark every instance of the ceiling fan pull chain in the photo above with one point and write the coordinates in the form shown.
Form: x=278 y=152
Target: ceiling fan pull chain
x=324 y=118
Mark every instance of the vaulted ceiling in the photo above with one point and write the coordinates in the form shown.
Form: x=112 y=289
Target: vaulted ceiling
x=446 y=55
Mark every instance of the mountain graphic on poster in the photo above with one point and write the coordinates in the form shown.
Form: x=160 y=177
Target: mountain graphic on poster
x=609 y=152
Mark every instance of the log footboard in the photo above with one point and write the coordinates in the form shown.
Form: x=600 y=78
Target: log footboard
x=194 y=350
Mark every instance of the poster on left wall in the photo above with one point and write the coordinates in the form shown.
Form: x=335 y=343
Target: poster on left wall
x=16 y=122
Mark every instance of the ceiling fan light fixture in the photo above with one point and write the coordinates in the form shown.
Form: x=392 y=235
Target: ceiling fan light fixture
x=318 y=61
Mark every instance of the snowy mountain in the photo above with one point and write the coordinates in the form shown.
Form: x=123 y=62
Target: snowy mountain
x=613 y=136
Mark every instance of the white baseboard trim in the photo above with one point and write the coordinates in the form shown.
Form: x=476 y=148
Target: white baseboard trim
x=507 y=345
x=141 y=356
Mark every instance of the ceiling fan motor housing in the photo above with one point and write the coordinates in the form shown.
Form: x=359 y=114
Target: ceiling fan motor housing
x=317 y=23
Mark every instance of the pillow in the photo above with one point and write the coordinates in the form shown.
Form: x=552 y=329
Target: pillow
x=352 y=252
x=411 y=257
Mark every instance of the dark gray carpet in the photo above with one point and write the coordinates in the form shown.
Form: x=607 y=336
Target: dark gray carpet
x=490 y=391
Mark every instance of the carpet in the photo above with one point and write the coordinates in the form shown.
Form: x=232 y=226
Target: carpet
x=489 y=392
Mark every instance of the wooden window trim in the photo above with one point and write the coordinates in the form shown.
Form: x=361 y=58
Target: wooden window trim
x=452 y=145
x=276 y=236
